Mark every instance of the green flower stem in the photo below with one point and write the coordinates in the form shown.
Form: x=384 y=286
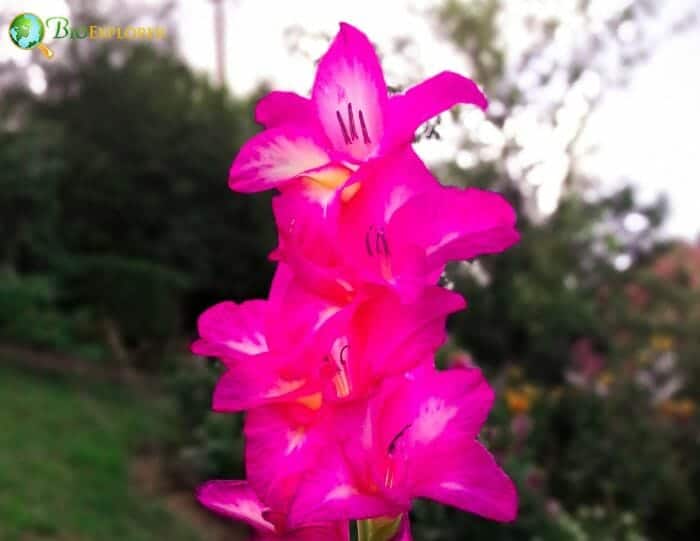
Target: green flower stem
x=378 y=529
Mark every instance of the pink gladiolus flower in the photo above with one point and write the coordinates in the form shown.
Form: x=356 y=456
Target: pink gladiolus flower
x=398 y=230
x=346 y=415
x=236 y=500
x=297 y=347
x=417 y=439
x=267 y=346
x=349 y=120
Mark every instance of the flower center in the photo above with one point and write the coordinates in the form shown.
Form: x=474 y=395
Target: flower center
x=341 y=380
x=390 y=475
x=336 y=368
x=349 y=132
x=377 y=245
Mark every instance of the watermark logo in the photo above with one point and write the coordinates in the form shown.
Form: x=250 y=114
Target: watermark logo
x=27 y=32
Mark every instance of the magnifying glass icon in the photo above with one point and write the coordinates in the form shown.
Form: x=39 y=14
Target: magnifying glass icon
x=27 y=32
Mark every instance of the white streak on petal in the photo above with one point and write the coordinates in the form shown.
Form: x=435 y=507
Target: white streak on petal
x=432 y=420
x=341 y=492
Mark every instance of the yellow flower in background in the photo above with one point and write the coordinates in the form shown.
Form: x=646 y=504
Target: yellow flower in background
x=520 y=400
x=606 y=378
x=662 y=342
x=680 y=409
x=517 y=401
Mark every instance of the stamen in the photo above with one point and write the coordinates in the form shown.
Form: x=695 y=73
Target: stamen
x=341 y=357
x=389 y=475
x=346 y=137
x=338 y=371
x=368 y=245
x=365 y=134
x=381 y=238
x=342 y=385
x=392 y=444
x=351 y=120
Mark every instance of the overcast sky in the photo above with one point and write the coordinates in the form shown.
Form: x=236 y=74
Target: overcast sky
x=647 y=132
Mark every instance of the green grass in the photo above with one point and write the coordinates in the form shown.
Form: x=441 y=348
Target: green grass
x=64 y=459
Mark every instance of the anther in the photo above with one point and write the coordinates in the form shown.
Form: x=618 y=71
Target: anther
x=346 y=137
x=392 y=444
x=368 y=244
x=341 y=357
x=381 y=239
x=351 y=120
x=365 y=134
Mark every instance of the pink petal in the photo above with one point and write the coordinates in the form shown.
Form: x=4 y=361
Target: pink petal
x=404 y=533
x=424 y=101
x=368 y=247
x=429 y=426
x=306 y=243
x=301 y=320
x=466 y=476
x=339 y=531
x=278 y=108
x=459 y=224
x=436 y=406
x=417 y=329
x=350 y=95
x=248 y=384
x=232 y=331
x=329 y=492
x=275 y=156
x=281 y=444
x=236 y=500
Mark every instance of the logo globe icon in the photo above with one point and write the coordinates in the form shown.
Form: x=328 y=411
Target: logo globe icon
x=27 y=32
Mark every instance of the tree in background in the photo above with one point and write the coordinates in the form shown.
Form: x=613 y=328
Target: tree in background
x=112 y=168
x=554 y=315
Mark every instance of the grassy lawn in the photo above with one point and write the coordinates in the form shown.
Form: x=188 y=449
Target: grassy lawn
x=64 y=460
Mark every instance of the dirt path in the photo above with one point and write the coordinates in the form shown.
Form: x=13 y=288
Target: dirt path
x=57 y=364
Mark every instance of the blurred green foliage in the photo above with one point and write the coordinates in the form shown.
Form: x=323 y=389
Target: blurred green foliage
x=29 y=314
x=200 y=444
x=65 y=461
x=118 y=196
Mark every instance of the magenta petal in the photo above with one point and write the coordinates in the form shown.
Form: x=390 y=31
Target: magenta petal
x=424 y=101
x=459 y=224
x=282 y=442
x=306 y=242
x=236 y=500
x=275 y=156
x=329 y=492
x=350 y=95
x=232 y=331
x=404 y=533
x=431 y=422
x=368 y=247
x=300 y=320
x=438 y=406
x=252 y=383
x=335 y=531
x=278 y=108
x=417 y=330
x=466 y=476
